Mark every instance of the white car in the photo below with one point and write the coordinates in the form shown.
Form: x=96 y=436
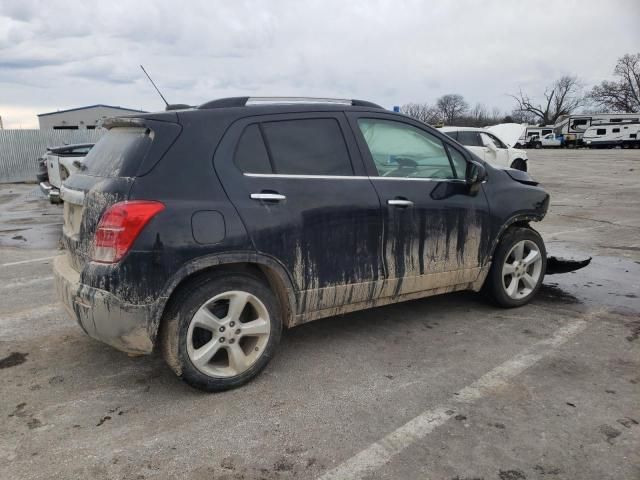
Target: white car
x=62 y=162
x=489 y=147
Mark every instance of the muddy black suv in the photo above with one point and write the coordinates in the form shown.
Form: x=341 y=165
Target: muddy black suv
x=206 y=231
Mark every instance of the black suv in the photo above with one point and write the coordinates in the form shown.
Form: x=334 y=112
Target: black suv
x=206 y=231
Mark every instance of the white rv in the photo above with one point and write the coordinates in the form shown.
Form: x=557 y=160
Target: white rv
x=574 y=126
x=612 y=135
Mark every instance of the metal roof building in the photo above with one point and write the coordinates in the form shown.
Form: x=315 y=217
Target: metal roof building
x=81 y=118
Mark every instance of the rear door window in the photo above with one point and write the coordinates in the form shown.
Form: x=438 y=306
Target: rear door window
x=121 y=145
x=307 y=147
x=453 y=134
x=251 y=155
x=470 y=138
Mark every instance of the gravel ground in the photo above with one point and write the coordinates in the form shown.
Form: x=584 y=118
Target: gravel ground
x=441 y=388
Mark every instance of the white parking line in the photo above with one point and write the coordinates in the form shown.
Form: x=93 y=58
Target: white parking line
x=22 y=262
x=26 y=283
x=381 y=452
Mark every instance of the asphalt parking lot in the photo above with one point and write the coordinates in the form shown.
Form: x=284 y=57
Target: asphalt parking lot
x=441 y=388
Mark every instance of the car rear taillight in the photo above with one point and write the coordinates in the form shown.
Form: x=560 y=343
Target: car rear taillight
x=119 y=226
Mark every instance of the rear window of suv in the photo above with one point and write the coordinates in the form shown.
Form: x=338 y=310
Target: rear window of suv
x=294 y=147
x=110 y=156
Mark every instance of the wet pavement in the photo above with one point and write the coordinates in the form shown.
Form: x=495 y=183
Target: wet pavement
x=468 y=391
x=27 y=219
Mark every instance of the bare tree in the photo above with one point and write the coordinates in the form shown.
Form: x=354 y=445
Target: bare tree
x=422 y=111
x=520 y=116
x=622 y=95
x=563 y=97
x=451 y=106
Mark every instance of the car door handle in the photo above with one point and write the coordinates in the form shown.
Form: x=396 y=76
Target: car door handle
x=399 y=202
x=274 y=197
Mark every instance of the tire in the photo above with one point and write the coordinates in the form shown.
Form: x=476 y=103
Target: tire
x=519 y=164
x=499 y=285
x=183 y=335
x=537 y=145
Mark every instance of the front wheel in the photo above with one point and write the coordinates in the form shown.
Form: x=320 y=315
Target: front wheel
x=518 y=268
x=519 y=164
x=221 y=331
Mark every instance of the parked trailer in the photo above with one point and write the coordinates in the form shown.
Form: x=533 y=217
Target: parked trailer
x=573 y=127
x=610 y=135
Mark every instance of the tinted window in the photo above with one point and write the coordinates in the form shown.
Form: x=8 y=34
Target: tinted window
x=251 y=154
x=307 y=147
x=119 y=145
x=601 y=131
x=615 y=130
x=81 y=150
x=401 y=150
x=470 y=139
x=453 y=135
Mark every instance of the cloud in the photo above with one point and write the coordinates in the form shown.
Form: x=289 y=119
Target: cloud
x=56 y=54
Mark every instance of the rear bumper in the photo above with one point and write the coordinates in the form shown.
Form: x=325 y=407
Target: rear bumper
x=50 y=191
x=101 y=314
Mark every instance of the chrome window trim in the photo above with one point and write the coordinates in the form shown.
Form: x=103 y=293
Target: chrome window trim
x=350 y=177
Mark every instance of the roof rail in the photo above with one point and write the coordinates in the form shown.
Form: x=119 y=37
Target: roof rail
x=251 y=101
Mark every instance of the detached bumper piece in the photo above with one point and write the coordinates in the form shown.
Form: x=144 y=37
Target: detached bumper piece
x=565 y=265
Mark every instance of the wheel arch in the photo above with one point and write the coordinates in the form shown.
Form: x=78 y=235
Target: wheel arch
x=520 y=159
x=520 y=220
x=274 y=274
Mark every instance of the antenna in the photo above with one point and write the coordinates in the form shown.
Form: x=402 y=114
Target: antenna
x=154 y=86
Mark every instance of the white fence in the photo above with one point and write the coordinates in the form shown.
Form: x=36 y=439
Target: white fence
x=20 y=149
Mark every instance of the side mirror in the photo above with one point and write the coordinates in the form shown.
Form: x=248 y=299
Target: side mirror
x=476 y=173
x=491 y=146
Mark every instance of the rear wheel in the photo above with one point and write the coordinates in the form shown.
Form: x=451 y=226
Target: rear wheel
x=518 y=267
x=519 y=164
x=537 y=145
x=221 y=331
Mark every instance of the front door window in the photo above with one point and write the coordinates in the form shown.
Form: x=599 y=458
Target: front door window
x=401 y=150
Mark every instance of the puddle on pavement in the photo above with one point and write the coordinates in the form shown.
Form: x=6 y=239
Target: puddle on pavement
x=611 y=281
x=28 y=220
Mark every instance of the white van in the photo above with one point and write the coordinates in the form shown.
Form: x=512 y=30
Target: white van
x=611 y=135
x=489 y=147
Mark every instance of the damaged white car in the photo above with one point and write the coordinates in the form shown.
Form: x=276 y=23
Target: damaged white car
x=489 y=147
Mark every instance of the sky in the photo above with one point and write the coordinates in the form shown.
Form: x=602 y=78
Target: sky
x=56 y=55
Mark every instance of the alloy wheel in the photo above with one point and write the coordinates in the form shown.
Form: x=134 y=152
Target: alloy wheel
x=228 y=334
x=522 y=269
